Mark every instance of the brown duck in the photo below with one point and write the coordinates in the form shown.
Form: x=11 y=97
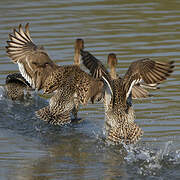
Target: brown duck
x=17 y=88
x=138 y=90
x=119 y=113
x=71 y=85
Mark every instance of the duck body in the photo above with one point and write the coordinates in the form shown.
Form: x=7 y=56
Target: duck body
x=81 y=82
x=119 y=116
x=119 y=113
x=71 y=85
x=17 y=88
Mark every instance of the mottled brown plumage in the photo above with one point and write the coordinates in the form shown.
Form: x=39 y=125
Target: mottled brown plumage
x=33 y=61
x=120 y=115
x=70 y=84
x=120 y=125
x=17 y=88
x=137 y=90
x=79 y=44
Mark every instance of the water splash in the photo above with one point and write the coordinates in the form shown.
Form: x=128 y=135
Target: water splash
x=175 y=158
x=2 y=93
x=150 y=162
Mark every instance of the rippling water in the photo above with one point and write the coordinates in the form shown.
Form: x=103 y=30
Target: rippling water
x=31 y=149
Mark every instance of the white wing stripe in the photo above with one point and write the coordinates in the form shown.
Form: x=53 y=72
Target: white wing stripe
x=25 y=75
x=130 y=88
x=108 y=84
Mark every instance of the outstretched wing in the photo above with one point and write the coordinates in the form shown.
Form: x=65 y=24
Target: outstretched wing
x=21 y=45
x=31 y=59
x=95 y=66
x=139 y=90
x=148 y=71
x=97 y=69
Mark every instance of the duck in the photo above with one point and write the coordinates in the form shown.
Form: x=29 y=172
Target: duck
x=79 y=44
x=69 y=84
x=120 y=125
x=17 y=88
x=138 y=90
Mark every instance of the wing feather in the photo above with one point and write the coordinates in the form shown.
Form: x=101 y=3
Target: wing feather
x=97 y=70
x=148 y=71
x=21 y=49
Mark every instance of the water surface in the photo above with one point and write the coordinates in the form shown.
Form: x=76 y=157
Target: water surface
x=32 y=149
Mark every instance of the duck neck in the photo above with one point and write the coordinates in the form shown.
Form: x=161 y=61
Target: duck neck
x=113 y=72
x=77 y=57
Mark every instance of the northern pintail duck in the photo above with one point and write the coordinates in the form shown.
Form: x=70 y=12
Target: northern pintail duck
x=72 y=86
x=79 y=44
x=138 y=90
x=119 y=112
x=17 y=88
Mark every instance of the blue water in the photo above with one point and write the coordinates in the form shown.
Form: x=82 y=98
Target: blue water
x=32 y=149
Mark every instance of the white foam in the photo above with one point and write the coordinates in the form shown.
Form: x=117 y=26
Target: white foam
x=150 y=161
x=2 y=92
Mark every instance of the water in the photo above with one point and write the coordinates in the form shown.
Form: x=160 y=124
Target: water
x=32 y=149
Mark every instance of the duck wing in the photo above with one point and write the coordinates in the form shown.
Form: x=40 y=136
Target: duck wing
x=148 y=71
x=97 y=70
x=31 y=59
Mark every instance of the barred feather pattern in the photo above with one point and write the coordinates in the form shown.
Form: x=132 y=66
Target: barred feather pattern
x=60 y=119
x=120 y=117
x=147 y=70
x=82 y=83
x=128 y=133
x=119 y=113
x=139 y=92
x=70 y=91
x=42 y=73
x=31 y=59
x=60 y=106
x=150 y=72
x=17 y=88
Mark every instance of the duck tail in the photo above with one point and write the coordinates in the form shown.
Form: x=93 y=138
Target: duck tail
x=60 y=119
x=128 y=134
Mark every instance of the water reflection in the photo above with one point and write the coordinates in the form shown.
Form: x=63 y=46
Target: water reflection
x=76 y=160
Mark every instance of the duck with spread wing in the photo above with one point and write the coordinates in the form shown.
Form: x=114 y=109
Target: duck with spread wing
x=70 y=84
x=119 y=112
